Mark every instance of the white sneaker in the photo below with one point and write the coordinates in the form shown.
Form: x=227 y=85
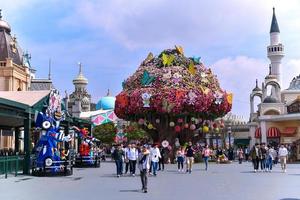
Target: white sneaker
x=255 y=171
x=133 y=175
x=179 y=170
x=285 y=171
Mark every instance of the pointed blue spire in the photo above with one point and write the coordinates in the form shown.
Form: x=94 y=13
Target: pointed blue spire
x=274 y=25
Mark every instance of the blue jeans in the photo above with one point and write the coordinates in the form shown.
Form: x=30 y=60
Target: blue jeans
x=154 y=167
x=119 y=165
x=205 y=158
x=269 y=163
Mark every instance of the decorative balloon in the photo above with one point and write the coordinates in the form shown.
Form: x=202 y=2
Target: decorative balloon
x=186 y=125
x=180 y=120
x=215 y=125
x=193 y=127
x=205 y=129
x=157 y=121
x=150 y=126
x=172 y=124
x=177 y=129
x=141 y=121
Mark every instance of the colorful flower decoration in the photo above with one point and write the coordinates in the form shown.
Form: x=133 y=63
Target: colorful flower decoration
x=174 y=85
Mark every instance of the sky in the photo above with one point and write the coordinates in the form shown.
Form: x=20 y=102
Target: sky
x=111 y=38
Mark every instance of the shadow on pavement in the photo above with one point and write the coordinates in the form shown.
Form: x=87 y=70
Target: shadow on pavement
x=22 y=179
x=108 y=176
x=130 y=190
x=289 y=199
x=260 y=172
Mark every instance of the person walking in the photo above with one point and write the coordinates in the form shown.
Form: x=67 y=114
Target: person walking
x=247 y=151
x=161 y=162
x=206 y=155
x=117 y=155
x=144 y=166
x=155 y=155
x=189 y=154
x=263 y=156
x=126 y=160
x=282 y=154
x=240 y=155
x=132 y=156
x=270 y=158
x=180 y=159
x=254 y=154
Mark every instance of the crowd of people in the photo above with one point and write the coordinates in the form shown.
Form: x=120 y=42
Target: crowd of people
x=151 y=158
x=266 y=156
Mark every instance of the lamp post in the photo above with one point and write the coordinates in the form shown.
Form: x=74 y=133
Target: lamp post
x=229 y=135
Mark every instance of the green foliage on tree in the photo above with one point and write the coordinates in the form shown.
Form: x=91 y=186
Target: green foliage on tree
x=105 y=132
x=134 y=132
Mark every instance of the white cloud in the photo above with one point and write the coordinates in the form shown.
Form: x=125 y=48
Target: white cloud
x=238 y=75
x=161 y=23
x=290 y=69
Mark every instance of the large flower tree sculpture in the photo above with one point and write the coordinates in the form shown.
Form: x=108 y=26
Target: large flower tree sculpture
x=170 y=93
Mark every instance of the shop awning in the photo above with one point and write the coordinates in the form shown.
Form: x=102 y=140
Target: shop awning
x=289 y=131
x=273 y=132
x=257 y=133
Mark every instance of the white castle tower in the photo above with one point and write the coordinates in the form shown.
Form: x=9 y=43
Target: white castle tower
x=275 y=49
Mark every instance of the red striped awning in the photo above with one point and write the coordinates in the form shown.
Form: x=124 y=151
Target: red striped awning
x=257 y=133
x=273 y=132
x=289 y=131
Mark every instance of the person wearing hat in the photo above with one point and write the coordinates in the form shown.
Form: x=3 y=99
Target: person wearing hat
x=144 y=166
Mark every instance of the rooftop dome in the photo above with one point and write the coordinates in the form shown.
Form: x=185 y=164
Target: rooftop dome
x=4 y=25
x=9 y=47
x=106 y=103
x=295 y=83
x=256 y=89
x=80 y=79
x=270 y=99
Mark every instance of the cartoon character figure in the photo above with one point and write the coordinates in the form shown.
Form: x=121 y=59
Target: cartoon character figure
x=146 y=99
x=46 y=149
x=86 y=151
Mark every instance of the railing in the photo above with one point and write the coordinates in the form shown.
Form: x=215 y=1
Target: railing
x=11 y=165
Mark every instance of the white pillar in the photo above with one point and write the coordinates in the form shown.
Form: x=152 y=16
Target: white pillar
x=263 y=127
x=251 y=104
x=252 y=135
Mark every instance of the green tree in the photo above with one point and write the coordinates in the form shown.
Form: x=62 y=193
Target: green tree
x=134 y=132
x=105 y=132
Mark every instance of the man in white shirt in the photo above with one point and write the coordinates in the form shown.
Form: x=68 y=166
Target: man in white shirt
x=283 y=153
x=154 y=155
x=132 y=155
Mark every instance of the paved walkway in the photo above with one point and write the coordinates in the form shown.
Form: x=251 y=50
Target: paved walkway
x=225 y=181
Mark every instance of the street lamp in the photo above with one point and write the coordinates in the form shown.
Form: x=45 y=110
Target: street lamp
x=229 y=135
